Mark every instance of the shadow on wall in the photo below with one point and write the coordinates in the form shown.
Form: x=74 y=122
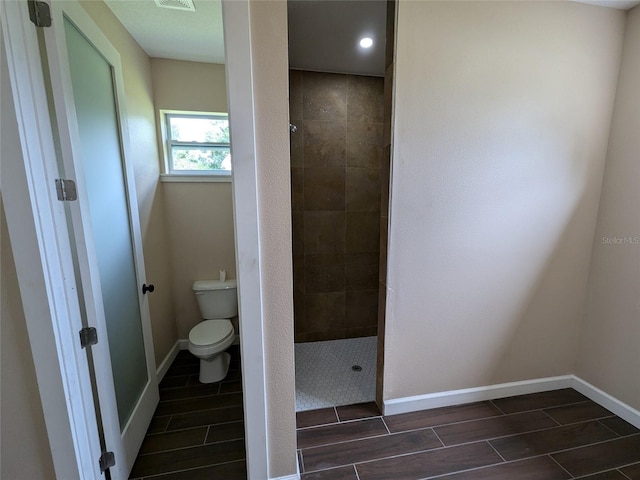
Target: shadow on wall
x=551 y=300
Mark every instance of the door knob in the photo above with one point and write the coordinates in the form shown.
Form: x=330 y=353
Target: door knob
x=147 y=288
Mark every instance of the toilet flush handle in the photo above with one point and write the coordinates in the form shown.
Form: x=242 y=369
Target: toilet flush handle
x=147 y=288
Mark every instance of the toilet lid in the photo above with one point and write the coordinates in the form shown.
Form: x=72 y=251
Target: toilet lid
x=210 y=332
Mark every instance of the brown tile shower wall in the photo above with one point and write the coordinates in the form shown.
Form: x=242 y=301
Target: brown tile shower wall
x=335 y=178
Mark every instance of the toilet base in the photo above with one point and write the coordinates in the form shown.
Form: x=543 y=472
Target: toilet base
x=214 y=369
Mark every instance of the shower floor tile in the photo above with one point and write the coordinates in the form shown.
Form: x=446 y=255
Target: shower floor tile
x=324 y=374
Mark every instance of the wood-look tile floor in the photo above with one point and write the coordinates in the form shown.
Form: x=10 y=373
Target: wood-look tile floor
x=544 y=436
x=197 y=431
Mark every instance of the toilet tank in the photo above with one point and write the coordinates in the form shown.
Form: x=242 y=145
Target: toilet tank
x=216 y=298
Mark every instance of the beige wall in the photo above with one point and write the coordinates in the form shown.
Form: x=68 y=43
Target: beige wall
x=609 y=355
x=270 y=80
x=180 y=85
x=144 y=153
x=24 y=446
x=502 y=114
x=199 y=216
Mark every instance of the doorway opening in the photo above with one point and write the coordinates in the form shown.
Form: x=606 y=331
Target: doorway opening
x=341 y=65
x=63 y=459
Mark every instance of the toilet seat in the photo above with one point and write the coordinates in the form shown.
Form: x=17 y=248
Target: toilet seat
x=211 y=332
x=210 y=337
x=208 y=341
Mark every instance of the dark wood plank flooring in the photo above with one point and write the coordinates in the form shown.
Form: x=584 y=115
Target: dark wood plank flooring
x=544 y=436
x=197 y=431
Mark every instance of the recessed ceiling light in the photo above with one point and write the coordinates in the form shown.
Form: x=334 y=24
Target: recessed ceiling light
x=366 y=42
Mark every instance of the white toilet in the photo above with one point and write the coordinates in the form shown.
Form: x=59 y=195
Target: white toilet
x=209 y=339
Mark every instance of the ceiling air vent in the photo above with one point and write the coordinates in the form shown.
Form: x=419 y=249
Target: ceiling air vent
x=177 y=4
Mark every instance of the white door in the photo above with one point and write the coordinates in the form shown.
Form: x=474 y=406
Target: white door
x=88 y=98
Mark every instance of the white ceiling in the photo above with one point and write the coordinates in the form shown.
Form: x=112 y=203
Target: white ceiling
x=323 y=34
x=169 y=33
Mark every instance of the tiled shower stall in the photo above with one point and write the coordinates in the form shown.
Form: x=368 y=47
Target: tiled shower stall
x=336 y=157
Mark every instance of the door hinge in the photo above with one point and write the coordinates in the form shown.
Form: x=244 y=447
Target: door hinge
x=39 y=13
x=88 y=336
x=66 y=190
x=107 y=460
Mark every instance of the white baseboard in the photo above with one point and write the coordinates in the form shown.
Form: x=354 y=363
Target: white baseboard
x=168 y=360
x=490 y=392
x=477 y=394
x=612 y=404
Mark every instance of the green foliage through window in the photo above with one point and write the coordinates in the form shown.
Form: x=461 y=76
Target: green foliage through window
x=198 y=143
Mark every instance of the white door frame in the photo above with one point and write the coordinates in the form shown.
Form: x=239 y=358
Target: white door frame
x=239 y=70
x=39 y=238
x=44 y=264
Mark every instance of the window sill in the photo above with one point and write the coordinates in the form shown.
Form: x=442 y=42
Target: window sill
x=165 y=177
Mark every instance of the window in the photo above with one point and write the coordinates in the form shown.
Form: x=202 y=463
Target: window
x=197 y=143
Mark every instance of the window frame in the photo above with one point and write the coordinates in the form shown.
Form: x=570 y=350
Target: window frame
x=169 y=144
